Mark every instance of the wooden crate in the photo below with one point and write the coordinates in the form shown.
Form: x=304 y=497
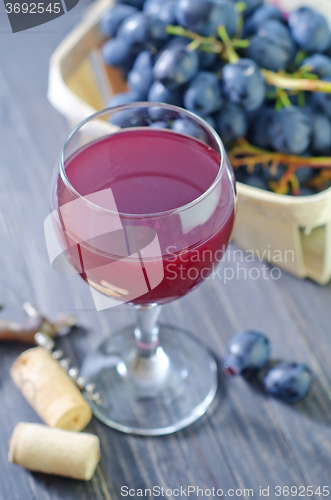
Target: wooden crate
x=293 y=233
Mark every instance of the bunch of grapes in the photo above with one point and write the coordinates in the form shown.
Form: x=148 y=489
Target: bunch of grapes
x=260 y=78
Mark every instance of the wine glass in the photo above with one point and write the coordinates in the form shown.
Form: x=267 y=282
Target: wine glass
x=143 y=202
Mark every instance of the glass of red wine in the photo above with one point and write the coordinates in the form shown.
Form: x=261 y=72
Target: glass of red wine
x=144 y=198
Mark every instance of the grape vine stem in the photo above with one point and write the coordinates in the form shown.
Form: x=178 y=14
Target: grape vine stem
x=243 y=153
x=287 y=82
x=226 y=48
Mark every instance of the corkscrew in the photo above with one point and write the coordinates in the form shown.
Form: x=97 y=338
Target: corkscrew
x=39 y=330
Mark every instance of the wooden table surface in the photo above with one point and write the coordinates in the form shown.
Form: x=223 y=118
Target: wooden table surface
x=246 y=440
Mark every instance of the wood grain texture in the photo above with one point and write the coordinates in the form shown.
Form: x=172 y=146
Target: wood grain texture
x=246 y=439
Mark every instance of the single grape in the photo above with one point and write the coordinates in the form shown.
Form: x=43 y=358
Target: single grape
x=176 y=66
x=188 y=127
x=318 y=64
x=321 y=140
x=161 y=9
x=116 y=52
x=123 y=98
x=271 y=47
x=207 y=59
x=248 y=352
x=256 y=182
x=113 y=18
x=309 y=30
x=290 y=131
x=258 y=132
x=135 y=3
x=259 y=17
x=203 y=95
x=321 y=130
x=222 y=13
x=288 y=381
x=194 y=14
x=158 y=114
x=231 y=122
x=140 y=77
x=160 y=93
x=130 y=118
x=140 y=30
x=244 y=84
x=322 y=100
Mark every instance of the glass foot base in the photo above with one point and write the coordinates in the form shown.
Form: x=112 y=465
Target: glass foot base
x=154 y=395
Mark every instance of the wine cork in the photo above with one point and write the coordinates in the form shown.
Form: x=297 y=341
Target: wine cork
x=54 y=451
x=50 y=391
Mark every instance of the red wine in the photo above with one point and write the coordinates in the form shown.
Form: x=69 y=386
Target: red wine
x=151 y=172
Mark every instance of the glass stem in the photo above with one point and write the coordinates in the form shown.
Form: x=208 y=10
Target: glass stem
x=147 y=330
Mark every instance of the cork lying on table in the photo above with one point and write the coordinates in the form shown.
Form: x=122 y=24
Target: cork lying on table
x=54 y=451
x=50 y=391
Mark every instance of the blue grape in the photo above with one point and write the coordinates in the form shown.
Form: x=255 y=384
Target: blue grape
x=271 y=47
x=194 y=14
x=123 y=98
x=321 y=140
x=116 y=52
x=188 y=127
x=259 y=17
x=290 y=131
x=159 y=114
x=207 y=59
x=244 y=84
x=161 y=9
x=113 y=18
x=140 y=30
x=222 y=13
x=135 y=3
x=288 y=381
x=259 y=128
x=203 y=95
x=248 y=352
x=130 y=118
x=309 y=30
x=318 y=64
x=321 y=130
x=140 y=77
x=257 y=182
x=231 y=122
x=322 y=100
x=204 y=16
x=160 y=93
x=159 y=124
x=176 y=66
